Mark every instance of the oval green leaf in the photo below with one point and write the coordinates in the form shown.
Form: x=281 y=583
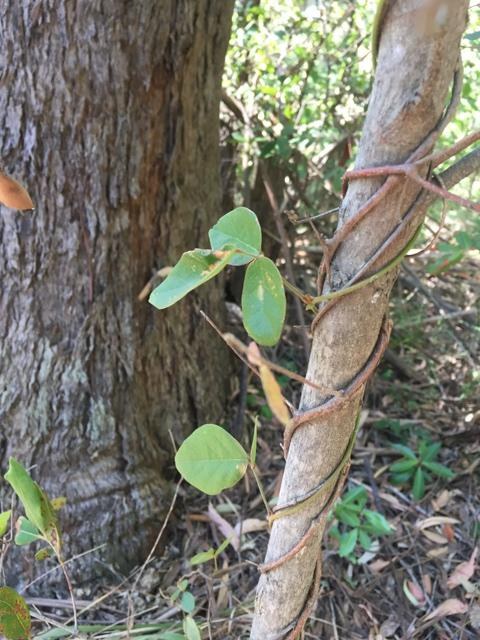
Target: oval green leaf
x=28 y=492
x=192 y=270
x=26 y=532
x=191 y=629
x=240 y=229
x=15 y=620
x=4 y=520
x=211 y=459
x=263 y=302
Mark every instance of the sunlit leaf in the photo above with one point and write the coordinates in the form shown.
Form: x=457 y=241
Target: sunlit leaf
x=26 y=532
x=29 y=494
x=274 y=396
x=15 y=620
x=4 y=522
x=211 y=459
x=191 y=629
x=187 y=602
x=192 y=270
x=240 y=229
x=263 y=302
x=203 y=556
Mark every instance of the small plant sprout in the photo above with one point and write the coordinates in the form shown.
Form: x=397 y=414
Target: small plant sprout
x=415 y=470
x=357 y=528
x=235 y=240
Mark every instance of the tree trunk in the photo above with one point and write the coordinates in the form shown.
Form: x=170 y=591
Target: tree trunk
x=417 y=60
x=110 y=117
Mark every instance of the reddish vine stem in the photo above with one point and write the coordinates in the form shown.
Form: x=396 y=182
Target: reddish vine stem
x=421 y=156
x=347 y=394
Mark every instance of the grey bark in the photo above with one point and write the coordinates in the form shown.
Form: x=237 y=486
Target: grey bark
x=416 y=63
x=109 y=115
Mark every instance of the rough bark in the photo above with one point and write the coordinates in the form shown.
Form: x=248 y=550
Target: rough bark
x=109 y=115
x=416 y=64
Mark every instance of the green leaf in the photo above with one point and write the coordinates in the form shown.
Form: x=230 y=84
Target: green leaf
x=378 y=524
x=191 y=629
x=401 y=478
x=364 y=540
x=347 y=516
x=222 y=547
x=26 y=532
x=187 y=602
x=211 y=459
x=36 y=504
x=403 y=465
x=418 y=490
x=429 y=452
x=353 y=495
x=347 y=543
x=203 y=556
x=15 y=620
x=240 y=229
x=406 y=451
x=263 y=302
x=43 y=554
x=253 y=448
x=4 y=521
x=439 y=470
x=192 y=270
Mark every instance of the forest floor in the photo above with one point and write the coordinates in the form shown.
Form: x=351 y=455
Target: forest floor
x=416 y=581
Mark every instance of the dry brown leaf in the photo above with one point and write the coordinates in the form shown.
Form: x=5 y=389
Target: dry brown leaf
x=475 y=616
x=441 y=501
x=253 y=354
x=13 y=195
x=273 y=393
x=435 y=537
x=448 y=532
x=438 y=552
x=463 y=572
x=451 y=607
x=224 y=527
x=389 y=627
x=427 y=583
x=416 y=591
x=250 y=525
x=379 y=565
x=434 y=521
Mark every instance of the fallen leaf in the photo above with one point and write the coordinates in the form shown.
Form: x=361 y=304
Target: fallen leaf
x=441 y=501
x=253 y=354
x=463 y=572
x=379 y=565
x=435 y=521
x=414 y=593
x=13 y=195
x=389 y=627
x=224 y=527
x=427 y=583
x=250 y=525
x=449 y=532
x=273 y=394
x=475 y=616
x=438 y=552
x=434 y=537
x=451 y=607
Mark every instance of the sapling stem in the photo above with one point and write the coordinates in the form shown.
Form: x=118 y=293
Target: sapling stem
x=261 y=489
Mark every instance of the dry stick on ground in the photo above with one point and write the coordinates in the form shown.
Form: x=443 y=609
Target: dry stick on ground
x=414 y=72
